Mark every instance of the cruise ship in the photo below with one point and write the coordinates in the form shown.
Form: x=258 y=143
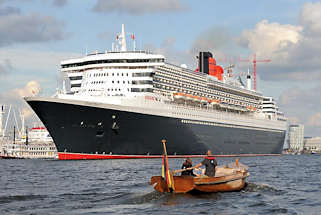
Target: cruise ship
x=123 y=103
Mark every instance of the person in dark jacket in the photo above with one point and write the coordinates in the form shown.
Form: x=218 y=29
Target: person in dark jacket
x=210 y=164
x=188 y=164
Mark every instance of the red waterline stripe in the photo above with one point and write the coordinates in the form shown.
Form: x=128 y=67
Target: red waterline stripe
x=81 y=156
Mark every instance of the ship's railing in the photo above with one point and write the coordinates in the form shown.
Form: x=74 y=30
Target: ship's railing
x=108 y=52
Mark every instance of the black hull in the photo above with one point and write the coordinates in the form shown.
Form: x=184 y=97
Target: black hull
x=85 y=129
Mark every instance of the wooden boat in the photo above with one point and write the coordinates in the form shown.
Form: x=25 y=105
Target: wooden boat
x=227 y=178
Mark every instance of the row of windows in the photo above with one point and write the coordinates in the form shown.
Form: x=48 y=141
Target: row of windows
x=42 y=149
x=98 y=82
x=142 y=82
x=109 y=89
x=143 y=74
x=118 y=82
x=129 y=90
x=113 y=61
x=182 y=74
x=39 y=153
x=141 y=90
x=138 y=74
x=113 y=82
x=106 y=74
x=74 y=78
x=93 y=69
x=269 y=103
x=75 y=85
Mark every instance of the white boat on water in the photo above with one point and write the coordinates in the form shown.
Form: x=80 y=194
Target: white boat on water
x=36 y=144
x=25 y=143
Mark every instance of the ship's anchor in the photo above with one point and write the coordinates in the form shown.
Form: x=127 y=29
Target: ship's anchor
x=115 y=126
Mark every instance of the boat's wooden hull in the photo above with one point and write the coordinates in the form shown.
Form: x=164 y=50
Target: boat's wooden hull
x=233 y=182
x=184 y=184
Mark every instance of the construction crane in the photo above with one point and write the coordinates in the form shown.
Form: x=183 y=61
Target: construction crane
x=254 y=61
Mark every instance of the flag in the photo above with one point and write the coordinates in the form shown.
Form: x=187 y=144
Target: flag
x=165 y=170
x=132 y=36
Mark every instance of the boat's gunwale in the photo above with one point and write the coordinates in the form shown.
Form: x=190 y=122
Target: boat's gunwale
x=243 y=176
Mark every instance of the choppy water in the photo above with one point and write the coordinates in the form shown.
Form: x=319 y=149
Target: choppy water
x=277 y=185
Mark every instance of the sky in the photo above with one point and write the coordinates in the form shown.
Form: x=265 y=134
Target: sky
x=35 y=35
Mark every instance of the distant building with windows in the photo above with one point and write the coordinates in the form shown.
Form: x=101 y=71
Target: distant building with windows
x=296 y=137
x=312 y=144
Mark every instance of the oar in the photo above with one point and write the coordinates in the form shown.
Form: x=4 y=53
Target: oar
x=181 y=170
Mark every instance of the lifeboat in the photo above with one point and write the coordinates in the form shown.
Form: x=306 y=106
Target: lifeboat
x=188 y=97
x=178 y=95
x=204 y=100
x=195 y=98
x=250 y=108
x=215 y=101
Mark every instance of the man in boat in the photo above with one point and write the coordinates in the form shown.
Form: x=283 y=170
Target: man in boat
x=187 y=164
x=210 y=164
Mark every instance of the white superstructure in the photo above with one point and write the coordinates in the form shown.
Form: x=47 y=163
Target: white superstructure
x=270 y=108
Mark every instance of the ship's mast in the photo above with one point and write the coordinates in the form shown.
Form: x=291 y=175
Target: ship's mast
x=122 y=39
x=22 y=123
x=1 y=117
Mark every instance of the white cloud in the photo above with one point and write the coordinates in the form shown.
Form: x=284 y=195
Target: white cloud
x=18 y=28
x=59 y=3
x=5 y=66
x=290 y=96
x=32 y=88
x=27 y=112
x=215 y=39
x=293 y=49
x=138 y=7
x=36 y=60
x=271 y=38
x=14 y=97
x=8 y=10
x=293 y=120
x=315 y=120
x=303 y=106
x=310 y=17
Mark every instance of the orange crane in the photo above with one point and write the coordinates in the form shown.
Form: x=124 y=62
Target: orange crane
x=254 y=61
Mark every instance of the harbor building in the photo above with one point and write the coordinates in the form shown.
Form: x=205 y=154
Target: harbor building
x=312 y=144
x=296 y=137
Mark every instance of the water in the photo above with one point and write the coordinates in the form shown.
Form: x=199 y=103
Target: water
x=277 y=185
